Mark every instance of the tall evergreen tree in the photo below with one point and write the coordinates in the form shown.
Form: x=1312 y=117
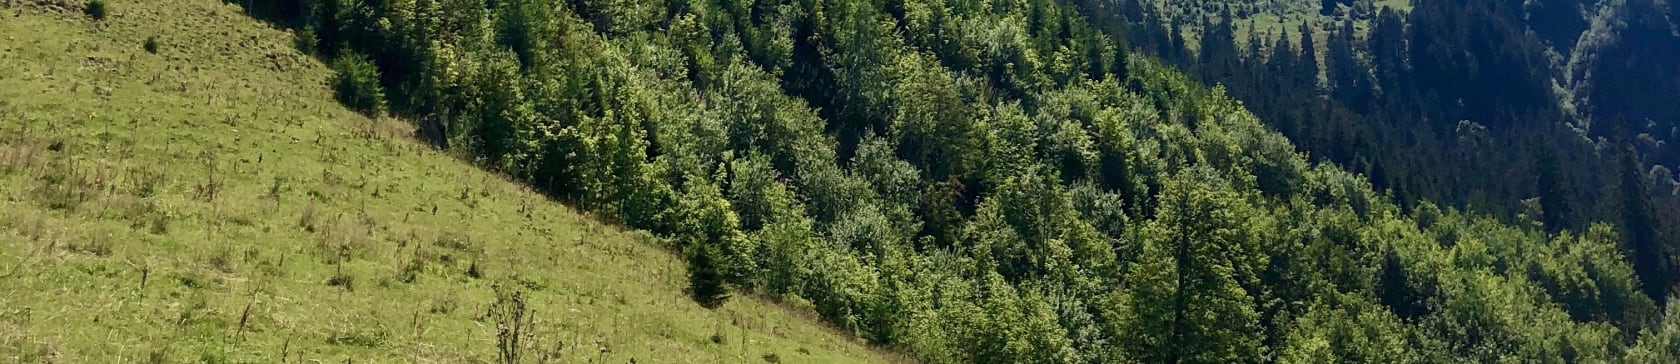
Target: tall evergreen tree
x=1306 y=69
x=1349 y=77
x=1641 y=244
x=1557 y=213
x=1388 y=58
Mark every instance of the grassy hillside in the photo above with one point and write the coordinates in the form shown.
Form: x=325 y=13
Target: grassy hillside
x=178 y=185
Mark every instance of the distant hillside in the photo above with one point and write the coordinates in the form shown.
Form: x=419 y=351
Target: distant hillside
x=178 y=185
x=1555 y=110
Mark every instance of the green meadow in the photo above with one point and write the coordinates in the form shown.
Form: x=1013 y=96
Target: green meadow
x=177 y=184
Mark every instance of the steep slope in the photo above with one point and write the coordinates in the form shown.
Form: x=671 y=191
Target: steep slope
x=1493 y=107
x=975 y=181
x=1625 y=70
x=962 y=181
x=210 y=202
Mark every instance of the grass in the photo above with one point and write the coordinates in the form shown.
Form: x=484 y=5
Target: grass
x=210 y=202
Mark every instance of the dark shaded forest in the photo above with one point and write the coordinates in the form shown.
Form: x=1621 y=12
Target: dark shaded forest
x=1009 y=182
x=1556 y=111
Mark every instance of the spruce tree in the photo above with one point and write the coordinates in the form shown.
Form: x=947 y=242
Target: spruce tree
x=704 y=277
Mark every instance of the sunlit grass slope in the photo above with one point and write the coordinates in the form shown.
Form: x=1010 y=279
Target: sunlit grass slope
x=209 y=201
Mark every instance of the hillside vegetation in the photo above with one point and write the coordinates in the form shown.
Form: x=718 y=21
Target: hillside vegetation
x=971 y=181
x=1556 y=109
x=177 y=185
x=959 y=181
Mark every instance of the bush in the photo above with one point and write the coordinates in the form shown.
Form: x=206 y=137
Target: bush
x=357 y=84
x=151 y=45
x=95 y=9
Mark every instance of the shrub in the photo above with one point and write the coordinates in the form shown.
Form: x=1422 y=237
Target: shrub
x=151 y=44
x=95 y=9
x=357 y=83
x=305 y=40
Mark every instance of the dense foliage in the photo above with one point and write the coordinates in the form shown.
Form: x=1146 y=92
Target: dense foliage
x=976 y=181
x=1484 y=106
